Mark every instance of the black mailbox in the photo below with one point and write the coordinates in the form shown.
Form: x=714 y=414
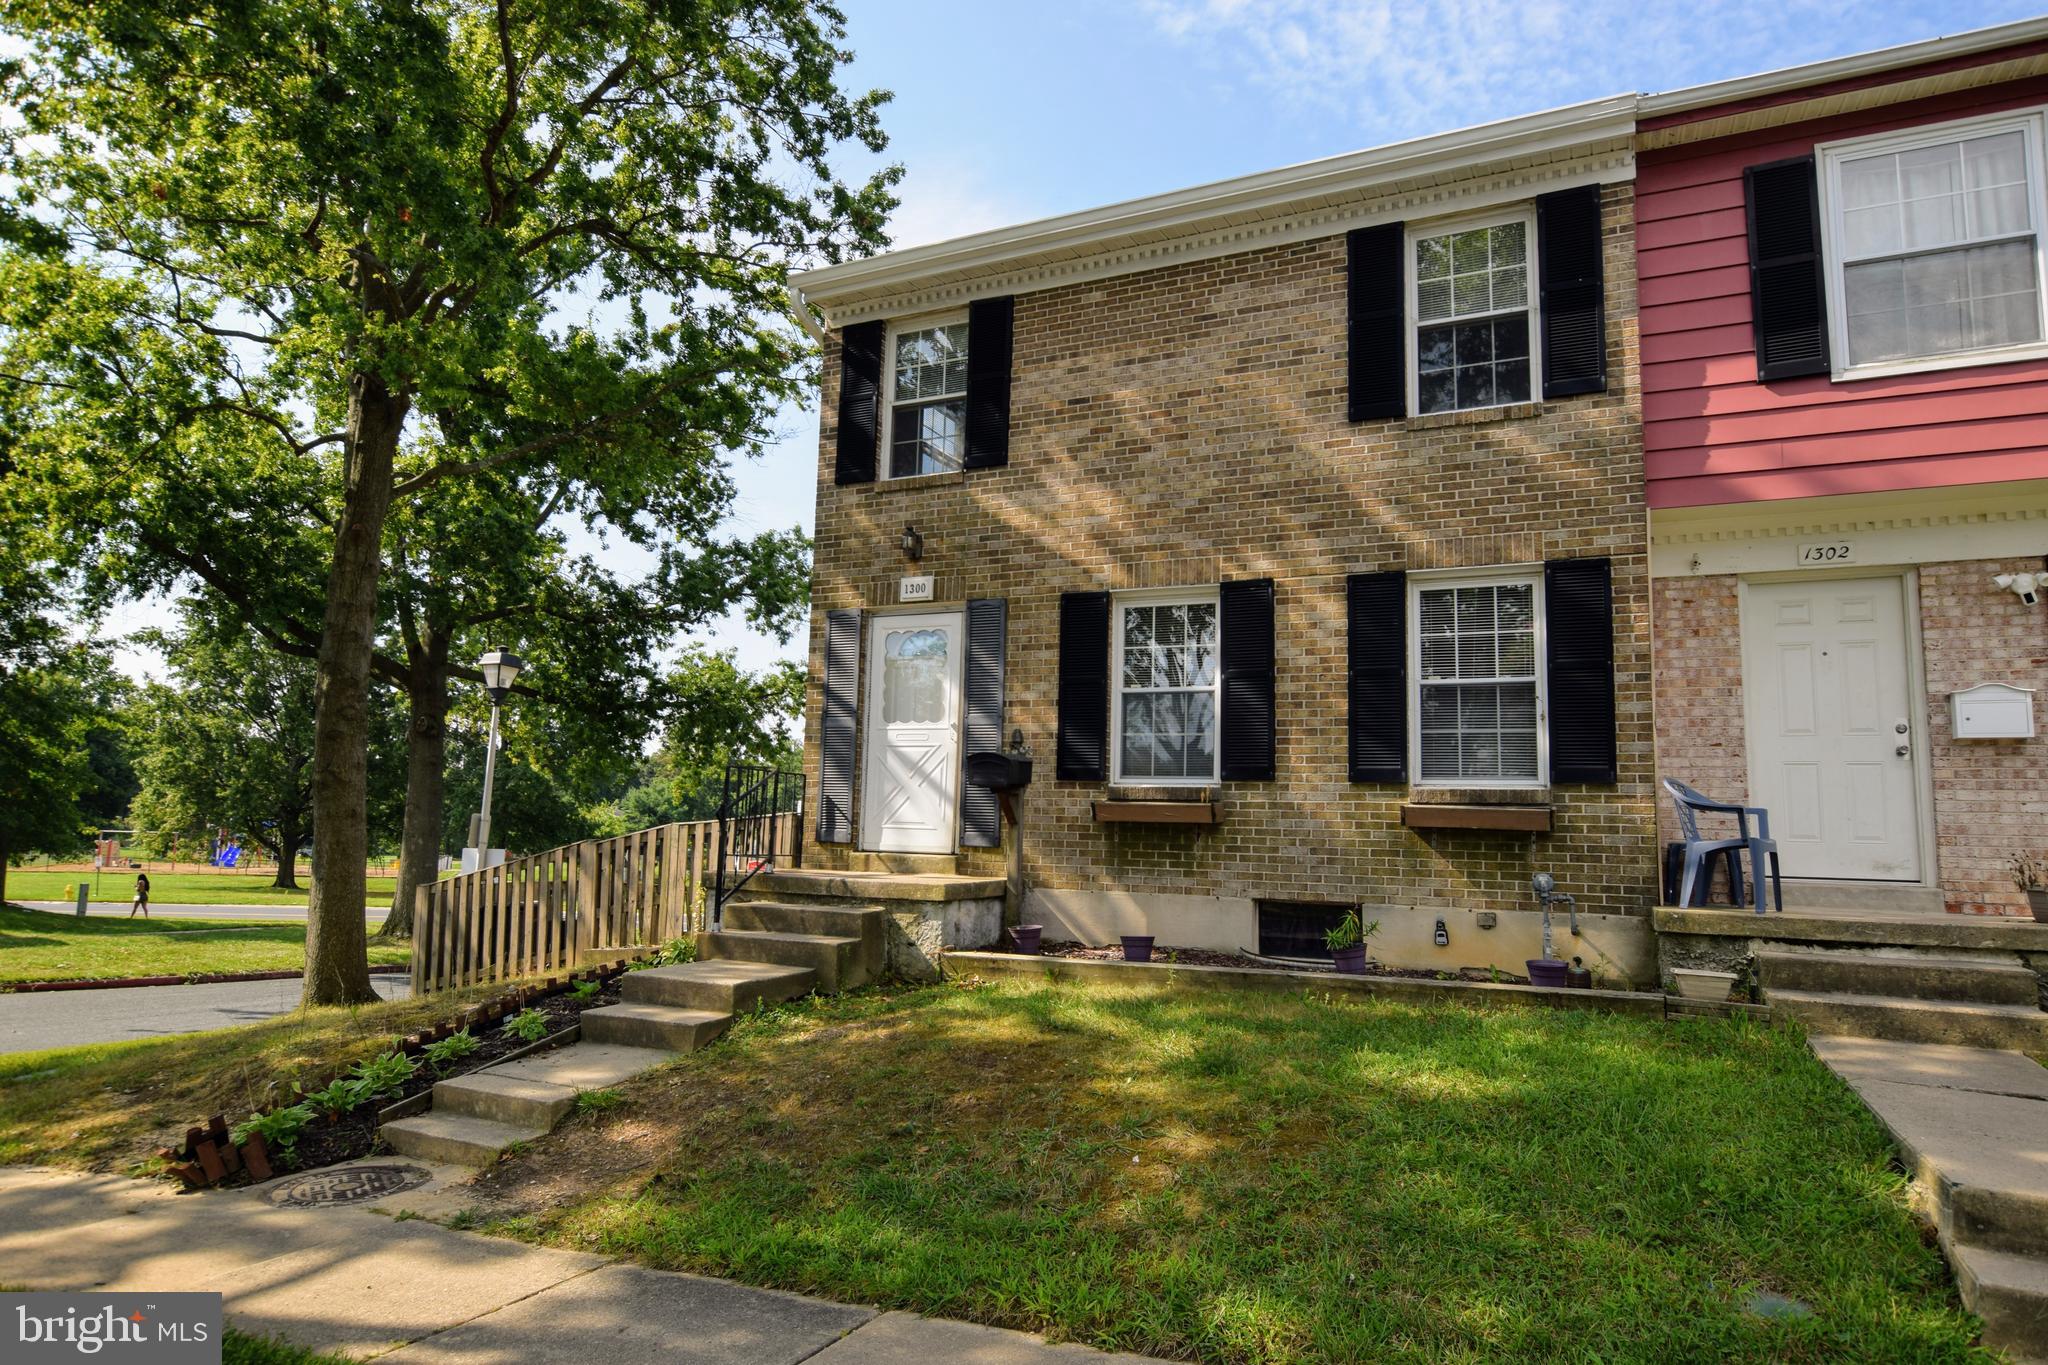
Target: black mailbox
x=998 y=771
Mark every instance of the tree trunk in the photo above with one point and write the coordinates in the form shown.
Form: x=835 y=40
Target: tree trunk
x=337 y=961
x=426 y=771
x=287 y=854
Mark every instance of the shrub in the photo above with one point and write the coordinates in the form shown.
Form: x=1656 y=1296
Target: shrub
x=385 y=1075
x=676 y=950
x=280 y=1129
x=529 y=1025
x=338 y=1097
x=441 y=1055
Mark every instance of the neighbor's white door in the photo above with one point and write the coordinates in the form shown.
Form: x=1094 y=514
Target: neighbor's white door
x=1832 y=739
x=911 y=800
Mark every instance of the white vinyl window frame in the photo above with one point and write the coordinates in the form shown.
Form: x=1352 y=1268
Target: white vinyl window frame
x=1159 y=597
x=1531 y=308
x=1829 y=159
x=886 y=425
x=1432 y=580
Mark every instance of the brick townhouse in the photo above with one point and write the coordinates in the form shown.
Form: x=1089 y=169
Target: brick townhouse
x=1845 y=424
x=1296 y=524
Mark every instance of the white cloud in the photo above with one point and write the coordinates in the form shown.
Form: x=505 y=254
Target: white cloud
x=941 y=201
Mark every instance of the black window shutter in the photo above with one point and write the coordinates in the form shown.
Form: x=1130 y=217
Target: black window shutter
x=1787 y=294
x=1578 y=612
x=1376 y=614
x=1376 y=295
x=860 y=392
x=1571 y=293
x=835 y=761
x=988 y=382
x=1083 y=749
x=1247 y=620
x=987 y=624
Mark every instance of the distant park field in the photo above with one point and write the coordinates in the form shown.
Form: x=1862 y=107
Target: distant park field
x=117 y=885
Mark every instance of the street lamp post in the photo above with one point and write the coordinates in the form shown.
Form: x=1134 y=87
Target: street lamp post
x=500 y=668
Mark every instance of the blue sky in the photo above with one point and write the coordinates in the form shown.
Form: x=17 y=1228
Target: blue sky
x=1006 y=112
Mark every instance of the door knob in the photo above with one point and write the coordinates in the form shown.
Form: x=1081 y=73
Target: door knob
x=1903 y=750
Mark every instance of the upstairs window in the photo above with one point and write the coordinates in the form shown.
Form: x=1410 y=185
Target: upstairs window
x=927 y=388
x=1470 y=291
x=1479 y=686
x=1933 y=243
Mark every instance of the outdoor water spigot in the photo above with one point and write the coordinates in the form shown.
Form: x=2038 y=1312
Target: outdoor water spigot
x=1545 y=887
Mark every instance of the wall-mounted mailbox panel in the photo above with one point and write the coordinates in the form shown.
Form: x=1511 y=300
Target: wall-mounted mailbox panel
x=1992 y=711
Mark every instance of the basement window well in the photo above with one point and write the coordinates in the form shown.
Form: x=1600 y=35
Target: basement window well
x=1296 y=928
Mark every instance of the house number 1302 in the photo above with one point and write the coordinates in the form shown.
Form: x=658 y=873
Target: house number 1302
x=1828 y=552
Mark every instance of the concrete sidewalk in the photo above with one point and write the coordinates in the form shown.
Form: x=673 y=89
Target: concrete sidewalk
x=355 y=1280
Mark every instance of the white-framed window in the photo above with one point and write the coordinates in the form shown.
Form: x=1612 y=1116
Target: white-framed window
x=1477 y=688
x=924 y=387
x=1932 y=239
x=1167 y=662
x=1471 y=298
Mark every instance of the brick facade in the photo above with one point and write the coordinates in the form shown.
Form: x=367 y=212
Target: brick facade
x=1990 y=797
x=1187 y=425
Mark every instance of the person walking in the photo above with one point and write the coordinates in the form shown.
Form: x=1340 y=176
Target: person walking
x=141 y=896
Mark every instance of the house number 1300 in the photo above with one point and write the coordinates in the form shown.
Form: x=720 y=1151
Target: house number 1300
x=1828 y=552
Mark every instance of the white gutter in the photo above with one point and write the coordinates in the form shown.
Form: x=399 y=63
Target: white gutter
x=1884 y=59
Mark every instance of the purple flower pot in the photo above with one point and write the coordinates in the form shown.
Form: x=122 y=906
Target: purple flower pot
x=1137 y=947
x=1024 y=937
x=1350 y=960
x=1546 y=971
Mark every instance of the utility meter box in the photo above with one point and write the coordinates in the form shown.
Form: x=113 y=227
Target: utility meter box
x=1992 y=711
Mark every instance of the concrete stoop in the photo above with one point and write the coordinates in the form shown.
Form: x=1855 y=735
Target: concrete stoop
x=1906 y=994
x=911 y=914
x=1969 y=1124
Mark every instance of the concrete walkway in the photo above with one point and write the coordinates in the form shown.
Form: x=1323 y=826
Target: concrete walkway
x=45 y=1019
x=1972 y=1126
x=356 y=1281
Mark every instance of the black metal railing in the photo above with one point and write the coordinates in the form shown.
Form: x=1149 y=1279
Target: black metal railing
x=759 y=824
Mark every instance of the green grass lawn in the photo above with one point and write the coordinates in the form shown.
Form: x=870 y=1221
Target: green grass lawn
x=1229 y=1177
x=173 y=888
x=37 y=945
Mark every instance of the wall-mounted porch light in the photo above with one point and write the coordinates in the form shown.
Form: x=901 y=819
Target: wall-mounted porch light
x=913 y=543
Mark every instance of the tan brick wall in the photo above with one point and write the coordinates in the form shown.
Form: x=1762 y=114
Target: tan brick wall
x=1990 y=798
x=1187 y=425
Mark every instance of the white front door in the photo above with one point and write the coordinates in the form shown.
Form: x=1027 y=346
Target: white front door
x=910 y=802
x=1832 y=738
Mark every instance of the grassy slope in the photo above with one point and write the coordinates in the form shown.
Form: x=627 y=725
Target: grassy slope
x=41 y=946
x=1245 y=1178
x=173 y=888
x=110 y=1105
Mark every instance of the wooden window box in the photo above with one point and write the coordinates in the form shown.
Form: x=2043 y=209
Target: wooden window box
x=1157 y=812
x=1528 y=819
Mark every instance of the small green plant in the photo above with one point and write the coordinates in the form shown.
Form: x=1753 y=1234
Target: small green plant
x=583 y=992
x=529 y=1025
x=1349 y=933
x=385 y=1074
x=450 y=1050
x=337 y=1098
x=464 y=1219
x=593 y=1102
x=676 y=950
x=279 y=1129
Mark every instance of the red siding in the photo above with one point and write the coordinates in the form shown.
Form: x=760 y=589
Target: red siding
x=1713 y=434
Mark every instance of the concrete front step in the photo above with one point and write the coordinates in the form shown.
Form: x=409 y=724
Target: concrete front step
x=724 y=987
x=1985 y=980
x=513 y=1100
x=868 y=923
x=839 y=962
x=1844 y=1013
x=2010 y=1292
x=809 y=883
x=945 y=864
x=654 y=1026
x=455 y=1139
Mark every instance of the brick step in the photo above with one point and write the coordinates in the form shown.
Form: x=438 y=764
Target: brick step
x=455 y=1139
x=512 y=1100
x=724 y=987
x=1985 y=980
x=654 y=1026
x=1845 y=1013
x=2010 y=1292
x=839 y=962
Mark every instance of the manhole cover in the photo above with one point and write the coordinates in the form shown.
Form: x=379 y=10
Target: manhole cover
x=354 y=1185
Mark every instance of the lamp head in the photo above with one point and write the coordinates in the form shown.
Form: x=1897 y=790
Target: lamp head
x=2026 y=586
x=500 y=669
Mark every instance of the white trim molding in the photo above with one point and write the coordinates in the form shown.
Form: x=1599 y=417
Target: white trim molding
x=1880 y=530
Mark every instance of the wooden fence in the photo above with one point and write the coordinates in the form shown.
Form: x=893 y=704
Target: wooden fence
x=552 y=912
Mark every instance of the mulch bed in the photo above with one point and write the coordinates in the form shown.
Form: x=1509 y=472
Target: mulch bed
x=1205 y=957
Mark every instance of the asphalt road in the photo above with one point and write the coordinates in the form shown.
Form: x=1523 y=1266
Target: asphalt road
x=284 y=914
x=29 y=1023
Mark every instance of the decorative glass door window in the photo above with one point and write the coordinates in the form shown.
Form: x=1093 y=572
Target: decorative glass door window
x=928 y=400
x=1478 y=682
x=1935 y=244
x=915 y=678
x=1166 y=703
x=1472 y=317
